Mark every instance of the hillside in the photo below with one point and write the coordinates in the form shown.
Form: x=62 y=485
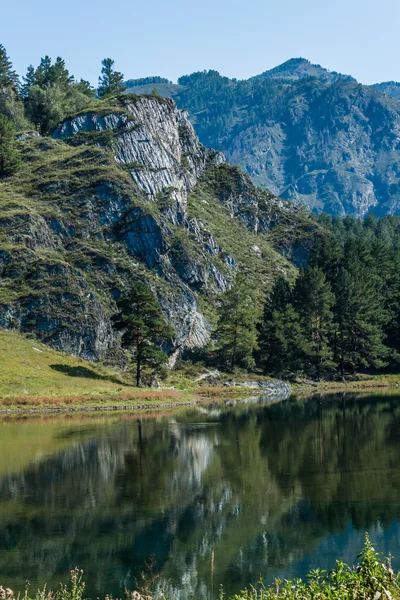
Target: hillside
x=303 y=132
x=126 y=192
x=390 y=88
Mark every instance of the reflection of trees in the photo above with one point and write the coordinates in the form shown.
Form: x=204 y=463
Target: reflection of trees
x=257 y=486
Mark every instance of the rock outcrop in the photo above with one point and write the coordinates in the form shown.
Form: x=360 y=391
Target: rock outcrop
x=126 y=193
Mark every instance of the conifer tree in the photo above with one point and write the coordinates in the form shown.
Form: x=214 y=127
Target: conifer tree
x=10 y=102
x=327 y=254
x=9 y=155
x=144 y=330
x=111 y=82
x=50 y=93
x=360 y=318
x=314 y=300
x=281 y=342
x=8 y=77
x=28 y=81
x=281 y=339
x=236 y=332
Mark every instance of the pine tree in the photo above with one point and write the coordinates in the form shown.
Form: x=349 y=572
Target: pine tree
x=236 y=332
x=111 y=82
x=280 y=340
x=10 y=102
x=327 y=254
x=29 y=80
x=50 y=93
x=59 y=74
x=144 y=330
x=84 y=87
x=9 y=155
x=360 y=318
x=8 y=77
x=314 y=300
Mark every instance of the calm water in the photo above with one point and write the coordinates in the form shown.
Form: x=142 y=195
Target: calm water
x=218 y=494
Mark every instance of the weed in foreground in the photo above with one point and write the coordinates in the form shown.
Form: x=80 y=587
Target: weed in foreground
x=372 y=578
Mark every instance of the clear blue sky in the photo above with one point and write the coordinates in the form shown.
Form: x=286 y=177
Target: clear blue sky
x=175 y=37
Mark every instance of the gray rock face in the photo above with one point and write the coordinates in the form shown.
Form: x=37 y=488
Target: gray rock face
x=27 y=135
x=268 y=388
x=107 y=203
x=69 y=316
x=156 y=141
x=158 y=145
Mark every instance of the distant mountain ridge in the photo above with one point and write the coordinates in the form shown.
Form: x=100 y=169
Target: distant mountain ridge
x=299 y=68
x=308 y=134
x=390 y=88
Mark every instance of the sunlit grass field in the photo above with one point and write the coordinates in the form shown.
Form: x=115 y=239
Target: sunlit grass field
x=34 y=374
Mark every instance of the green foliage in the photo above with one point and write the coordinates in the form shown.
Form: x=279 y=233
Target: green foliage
x=144 y=330
x=50 y=93
x=9 y=155
x=47 y=106
x=111 y=82
x=314 y=300
x=10 y=101
x=145 y=81
x=236 y=333
x=371 y=579
x=8 y=77
x=347 y=301
x=281 y=338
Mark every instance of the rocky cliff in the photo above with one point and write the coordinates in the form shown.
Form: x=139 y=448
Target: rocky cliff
x=305 y=133
x=128 y=192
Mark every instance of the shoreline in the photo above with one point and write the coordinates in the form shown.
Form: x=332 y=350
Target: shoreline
x=159 y=400
x=99 y=408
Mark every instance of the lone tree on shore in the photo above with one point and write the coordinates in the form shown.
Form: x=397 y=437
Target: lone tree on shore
x=144 y=329
x=111 y=82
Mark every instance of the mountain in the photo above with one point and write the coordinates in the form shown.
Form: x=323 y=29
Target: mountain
x=125 y=192
x=390 y=88
x=299 y=68
x=307 y=134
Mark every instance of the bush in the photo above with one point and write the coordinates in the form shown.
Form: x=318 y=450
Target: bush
x=371 y=579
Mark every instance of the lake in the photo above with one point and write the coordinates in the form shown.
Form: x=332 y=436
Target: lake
x=216 y=494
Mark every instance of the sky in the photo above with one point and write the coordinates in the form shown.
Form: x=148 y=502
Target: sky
x=176 y=37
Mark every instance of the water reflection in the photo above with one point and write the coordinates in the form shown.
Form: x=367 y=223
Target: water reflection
x=268 y=489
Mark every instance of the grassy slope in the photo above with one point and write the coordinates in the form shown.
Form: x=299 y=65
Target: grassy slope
x=34 y=374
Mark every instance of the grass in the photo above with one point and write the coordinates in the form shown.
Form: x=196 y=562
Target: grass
x=34 y=375
x=371 y=579
x=357 y=383
x=237 y=241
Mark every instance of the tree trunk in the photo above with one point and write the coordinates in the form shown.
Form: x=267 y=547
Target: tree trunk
x=138 y=372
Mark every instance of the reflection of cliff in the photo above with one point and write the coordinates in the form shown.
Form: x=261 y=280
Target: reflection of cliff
x=258 y=487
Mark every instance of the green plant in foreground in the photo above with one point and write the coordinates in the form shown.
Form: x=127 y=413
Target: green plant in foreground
x=371 y=579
